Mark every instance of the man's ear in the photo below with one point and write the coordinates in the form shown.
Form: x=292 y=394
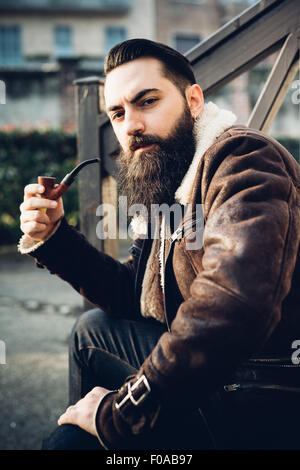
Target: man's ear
x=195 y=99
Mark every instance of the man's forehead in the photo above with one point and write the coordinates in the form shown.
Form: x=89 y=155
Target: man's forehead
x=125 y=81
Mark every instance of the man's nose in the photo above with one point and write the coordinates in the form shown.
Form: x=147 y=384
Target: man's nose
x=134 y=124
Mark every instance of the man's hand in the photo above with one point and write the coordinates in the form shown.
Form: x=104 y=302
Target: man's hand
x=83 y=412
x=36 y=223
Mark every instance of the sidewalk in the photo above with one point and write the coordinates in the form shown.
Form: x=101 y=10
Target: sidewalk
x=37 y=313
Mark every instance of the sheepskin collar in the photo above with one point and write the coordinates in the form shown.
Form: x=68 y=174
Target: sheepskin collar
x=211 y=123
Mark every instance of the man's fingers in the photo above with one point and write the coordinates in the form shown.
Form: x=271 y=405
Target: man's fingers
x=63 y=419
x=68 y=416
x=34 y=215
x=34 y=221
x=37 y=203
x=39 y=214
x=32 y=189
x=33 y=227
x=83 y=412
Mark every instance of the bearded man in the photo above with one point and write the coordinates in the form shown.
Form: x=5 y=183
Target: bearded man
x=179 y=333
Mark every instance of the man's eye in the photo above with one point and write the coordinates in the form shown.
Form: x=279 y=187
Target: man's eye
x=117 y=115
x=149 y=101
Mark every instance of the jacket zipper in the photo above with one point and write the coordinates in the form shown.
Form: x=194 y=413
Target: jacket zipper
x=137 y=277
x=182 y=229
x=255 y=386
x=270 y=362
x=175 y=236
x=172 y=239
x=267 y=363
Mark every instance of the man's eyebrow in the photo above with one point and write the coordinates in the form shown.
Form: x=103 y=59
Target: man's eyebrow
x=136 y=98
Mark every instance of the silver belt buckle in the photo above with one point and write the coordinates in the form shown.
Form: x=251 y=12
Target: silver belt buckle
x=129 y=395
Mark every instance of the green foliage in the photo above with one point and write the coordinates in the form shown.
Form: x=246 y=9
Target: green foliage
x=292 y=145
x=26 y=155
x=23 y=157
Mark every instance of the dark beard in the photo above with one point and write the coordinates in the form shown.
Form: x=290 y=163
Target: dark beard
x=154 y=176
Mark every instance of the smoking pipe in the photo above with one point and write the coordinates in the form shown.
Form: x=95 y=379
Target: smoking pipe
x=49 y=182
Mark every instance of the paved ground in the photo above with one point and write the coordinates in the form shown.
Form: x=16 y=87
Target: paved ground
x=37 y=312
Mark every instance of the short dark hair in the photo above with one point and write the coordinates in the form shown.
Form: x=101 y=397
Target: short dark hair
x=176 y=67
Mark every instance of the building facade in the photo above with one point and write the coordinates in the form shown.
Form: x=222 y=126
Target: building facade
x=46 y=44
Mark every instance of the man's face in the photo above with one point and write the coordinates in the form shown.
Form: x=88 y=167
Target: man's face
x=154 y=126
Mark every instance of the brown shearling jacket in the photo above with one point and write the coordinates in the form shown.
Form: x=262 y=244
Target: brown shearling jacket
x=234 y=298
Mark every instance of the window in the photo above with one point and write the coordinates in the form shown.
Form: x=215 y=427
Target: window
x=10 y=45
x=246 y=2
x=63 y=41
x=114 y=35
x=184 y=42
x=192 y=2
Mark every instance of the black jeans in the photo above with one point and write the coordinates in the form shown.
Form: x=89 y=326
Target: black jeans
x=104 y=350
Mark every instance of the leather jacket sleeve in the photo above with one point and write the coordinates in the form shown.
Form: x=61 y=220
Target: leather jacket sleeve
x=251 y=237
x=102 y=280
